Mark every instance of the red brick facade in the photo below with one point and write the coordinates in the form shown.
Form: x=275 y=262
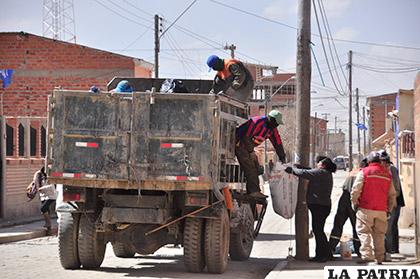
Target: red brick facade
x=41 y=64
x=379 y=106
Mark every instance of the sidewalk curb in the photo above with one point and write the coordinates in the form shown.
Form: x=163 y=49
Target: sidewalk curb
x=7 y=237
x=22 y=236
x=275 y=273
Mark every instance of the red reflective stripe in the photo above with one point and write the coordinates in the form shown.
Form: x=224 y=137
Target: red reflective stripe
x=181 y=178
x=77 y=175
x=92 y=144
x=165 y=145
x=57 y=174
x=87 y=144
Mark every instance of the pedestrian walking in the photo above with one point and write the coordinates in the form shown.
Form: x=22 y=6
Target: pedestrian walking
x=47 y=195
x=251 y=134
x=345 y=211
x=232 y=78
x=318 y=199
x=392 y=234
x=373 y=197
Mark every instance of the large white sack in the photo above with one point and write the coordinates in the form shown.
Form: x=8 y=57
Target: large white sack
x=284 y=190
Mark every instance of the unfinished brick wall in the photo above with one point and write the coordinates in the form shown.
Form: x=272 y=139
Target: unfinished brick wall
x=40 y=64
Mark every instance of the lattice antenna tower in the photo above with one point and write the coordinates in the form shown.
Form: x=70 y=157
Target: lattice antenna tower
x=58 y=20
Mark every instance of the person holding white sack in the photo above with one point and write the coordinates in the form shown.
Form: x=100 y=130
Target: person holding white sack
x=47 y=194
x=318 y=199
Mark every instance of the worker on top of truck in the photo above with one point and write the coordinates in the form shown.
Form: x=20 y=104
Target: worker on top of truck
x=232 y=78
x=251 y=134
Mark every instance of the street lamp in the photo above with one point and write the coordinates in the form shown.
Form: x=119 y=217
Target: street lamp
x=267 y=99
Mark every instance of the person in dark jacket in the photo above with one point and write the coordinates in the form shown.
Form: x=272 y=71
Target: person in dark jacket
x=392 y=234
x=318 y=199
x=345 y=211
x=232 y=78
x=251 y=134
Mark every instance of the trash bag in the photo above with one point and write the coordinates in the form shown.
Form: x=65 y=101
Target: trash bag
x=283 y=189
x=173 y=86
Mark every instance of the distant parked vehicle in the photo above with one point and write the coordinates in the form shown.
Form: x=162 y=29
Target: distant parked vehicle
x=341 y=163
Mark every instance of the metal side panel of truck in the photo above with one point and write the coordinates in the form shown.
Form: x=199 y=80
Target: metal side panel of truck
x=146 y=169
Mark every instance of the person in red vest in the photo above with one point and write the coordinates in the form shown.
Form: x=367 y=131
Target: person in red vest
x=373 y=197
x=232 y=78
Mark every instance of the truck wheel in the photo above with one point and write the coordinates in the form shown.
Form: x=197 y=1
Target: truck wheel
x=194 y=245
x=217 y=243
x=67 y=240
x=241 y=242
x=122 y=250
x=90 y=243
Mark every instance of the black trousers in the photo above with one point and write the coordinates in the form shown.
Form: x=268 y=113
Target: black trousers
x=319 y=215
x=392 y=234
x=344 y=212
x=250 y=168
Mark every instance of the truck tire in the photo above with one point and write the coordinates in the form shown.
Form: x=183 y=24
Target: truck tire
x=68 y=228
x=194 y=245
x=217 y=233
x=90 y=243
x=241 y=241
x=122 y=250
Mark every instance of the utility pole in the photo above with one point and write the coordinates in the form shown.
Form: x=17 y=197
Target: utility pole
x=314 y=139
x=326 y=138
x=364 y=131
x=303 y=110
x=232 y=49
x=350 y=112
x=358 y=122
x=335 y=125
x=157 y=45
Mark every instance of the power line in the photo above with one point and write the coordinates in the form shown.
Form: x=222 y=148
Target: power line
x=332 y=39
x=137 y=8
x=178 y=17
x=121 y=15
x=314 y=34
x=325 y=52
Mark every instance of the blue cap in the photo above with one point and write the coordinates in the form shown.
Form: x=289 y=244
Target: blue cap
x=123 y=86
x=94 y=89
x=212 y=60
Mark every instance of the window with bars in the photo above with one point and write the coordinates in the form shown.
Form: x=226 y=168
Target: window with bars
x=33 y=141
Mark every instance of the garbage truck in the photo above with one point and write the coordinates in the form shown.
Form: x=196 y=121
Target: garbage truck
x=146 y=169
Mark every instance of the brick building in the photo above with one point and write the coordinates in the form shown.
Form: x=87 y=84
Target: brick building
x=379 y=106
x=39 y=65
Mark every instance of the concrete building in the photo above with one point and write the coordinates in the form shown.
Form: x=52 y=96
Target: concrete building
x=39 y=65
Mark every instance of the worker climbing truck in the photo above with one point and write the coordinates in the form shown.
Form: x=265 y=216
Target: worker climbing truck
x=142 y=170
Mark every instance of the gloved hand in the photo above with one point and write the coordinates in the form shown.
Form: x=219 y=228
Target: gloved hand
x=289 y=170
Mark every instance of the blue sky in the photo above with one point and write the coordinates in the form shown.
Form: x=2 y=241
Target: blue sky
x=393 y=22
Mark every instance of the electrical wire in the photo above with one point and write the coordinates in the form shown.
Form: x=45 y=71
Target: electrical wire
x=178 y=17
x=324 y=50
x=137 y=8
x=324 y=14
x=317 y=35
x=121 y=15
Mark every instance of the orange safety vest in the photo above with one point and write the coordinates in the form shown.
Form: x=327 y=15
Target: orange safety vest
x=377 y=180
x=225 y=73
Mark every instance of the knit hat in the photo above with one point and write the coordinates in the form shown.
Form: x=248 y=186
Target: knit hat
x=277 y=116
